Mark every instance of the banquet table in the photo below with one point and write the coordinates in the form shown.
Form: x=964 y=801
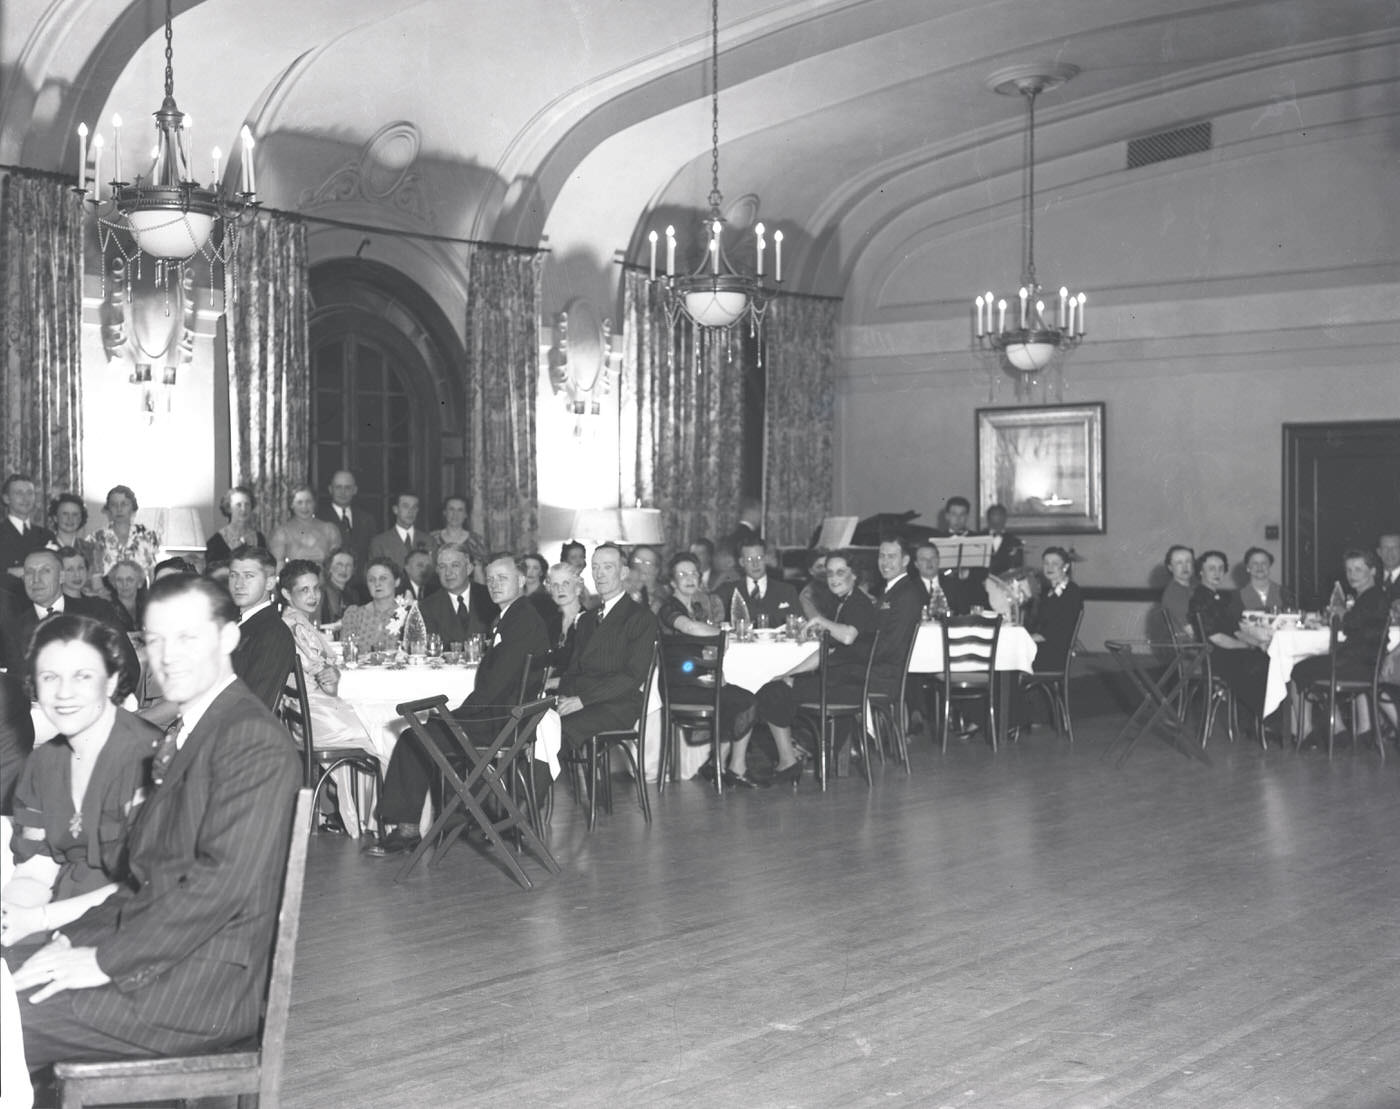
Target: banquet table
x=1287 y=648
x=374 y=691
x=748 y=665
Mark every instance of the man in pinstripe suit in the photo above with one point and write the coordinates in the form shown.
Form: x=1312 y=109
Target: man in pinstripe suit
x=177 y=961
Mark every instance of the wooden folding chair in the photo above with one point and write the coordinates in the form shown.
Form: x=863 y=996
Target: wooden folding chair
x=255 y=1077
x=487 y=771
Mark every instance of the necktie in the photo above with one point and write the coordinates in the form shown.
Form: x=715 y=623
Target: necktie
x=48 y=611
x=345 y=524
x=755 y=592
x=165 y=751
x=461 y=610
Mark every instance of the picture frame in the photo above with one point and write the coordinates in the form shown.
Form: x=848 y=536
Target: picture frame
x=1045 y=465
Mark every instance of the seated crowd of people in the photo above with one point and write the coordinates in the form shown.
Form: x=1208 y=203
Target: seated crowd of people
x=93 y=808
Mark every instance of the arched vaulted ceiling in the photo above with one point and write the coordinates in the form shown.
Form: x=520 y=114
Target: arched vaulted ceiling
x=861 y=125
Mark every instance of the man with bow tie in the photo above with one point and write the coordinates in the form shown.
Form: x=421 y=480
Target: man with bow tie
x=176 y=962
x=357 y=525
x=767 y=596
x=517 y=632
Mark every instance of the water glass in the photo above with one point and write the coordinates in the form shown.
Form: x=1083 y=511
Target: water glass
x=434 y=645
x=794 y=626
x=760 y=619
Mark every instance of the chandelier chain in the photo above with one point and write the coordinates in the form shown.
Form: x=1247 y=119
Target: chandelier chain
x=716 y=198
x=169 y=51
x=1030 y=94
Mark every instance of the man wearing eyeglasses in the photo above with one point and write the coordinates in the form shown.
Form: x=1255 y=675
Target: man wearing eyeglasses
x=770 y=600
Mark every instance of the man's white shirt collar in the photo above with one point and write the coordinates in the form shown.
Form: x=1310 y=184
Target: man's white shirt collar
x=20 y=526
x=190 y=714
x=257 y=608
x=56 y=605
x=895 y=580
x=405 y=534
x=609 y=605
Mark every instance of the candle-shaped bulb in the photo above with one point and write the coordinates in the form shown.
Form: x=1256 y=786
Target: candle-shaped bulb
x=97 y=143
x=652 y=240
x=758 y=247
x=82 y=155
x=981 y=330
x=116 y=147
x=218 y=157
x=670 y=250
x=1001 y=316
x=250 y=184
x=1081 y=298
x=778 y=254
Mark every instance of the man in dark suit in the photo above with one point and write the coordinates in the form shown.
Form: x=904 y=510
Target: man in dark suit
x=956 y=590
x=898 y=611
x=402 y=536
x=601 y=689
x=18 y=535
x=356 y=523
x=416 y=582
x=266 y=650
x=44 y=596
x=462 y=607
x=1008 y=550
x=176 y=961
x=519 y=632
x=766 y=595
x=1388 y=550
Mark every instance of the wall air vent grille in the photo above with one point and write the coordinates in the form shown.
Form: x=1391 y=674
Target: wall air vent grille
x=1165 y=145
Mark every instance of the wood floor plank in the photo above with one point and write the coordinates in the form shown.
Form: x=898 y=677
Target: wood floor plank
x=1035 y=928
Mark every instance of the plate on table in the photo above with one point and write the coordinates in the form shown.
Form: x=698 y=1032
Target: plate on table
x=767 y=635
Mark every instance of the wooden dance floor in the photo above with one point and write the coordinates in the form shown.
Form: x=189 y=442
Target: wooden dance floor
x=1036 y=928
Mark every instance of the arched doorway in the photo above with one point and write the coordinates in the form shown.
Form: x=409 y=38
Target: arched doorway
x=386 y=394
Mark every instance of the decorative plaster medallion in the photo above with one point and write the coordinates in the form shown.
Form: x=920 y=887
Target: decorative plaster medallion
x=381 y=174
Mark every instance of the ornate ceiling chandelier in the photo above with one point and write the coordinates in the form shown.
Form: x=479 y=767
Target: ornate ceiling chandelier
x=715 y=296
x=165 y=214
x=1024 y=333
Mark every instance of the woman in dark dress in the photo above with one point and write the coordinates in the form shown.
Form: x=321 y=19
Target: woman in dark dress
x=688 y=610
x=1216 y=609
x=848 y=621
x=70 y=856
x=1056 y=611
x=339 y=590
x=1364 y=626
x=237 y=507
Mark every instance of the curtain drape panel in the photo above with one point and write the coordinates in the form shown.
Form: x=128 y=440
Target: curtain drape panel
x=41 y=290
x=682 y=410
x=268 y=368
x=502 y=376
x=800 y=346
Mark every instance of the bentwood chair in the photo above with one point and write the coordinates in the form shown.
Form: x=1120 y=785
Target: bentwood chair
x=830 y=713
x=1336 y=691
x=691 y=673
x=320 y=763
x=889 y=713
x=1055 y=685
x=596 y=756
x=969 y=668
x=252 y=1073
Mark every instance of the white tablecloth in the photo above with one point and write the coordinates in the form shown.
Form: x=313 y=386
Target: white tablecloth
x=373 y=691
x=1287 y=648
x=1015 y=650
x=747 y=665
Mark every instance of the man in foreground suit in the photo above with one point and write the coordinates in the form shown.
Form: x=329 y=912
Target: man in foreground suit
x=266 y=650
x=601 y=689
x=462 y=607
x=518 y=632
x=176 y=962
x=356 y=523
x=768 y=597
x=43 y=596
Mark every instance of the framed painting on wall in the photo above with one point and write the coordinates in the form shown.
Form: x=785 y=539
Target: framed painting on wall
x=1045 y=465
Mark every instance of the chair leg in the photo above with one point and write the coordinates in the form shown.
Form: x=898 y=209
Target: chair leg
x=591 y=781
x=662 y=764
x=1064 y=705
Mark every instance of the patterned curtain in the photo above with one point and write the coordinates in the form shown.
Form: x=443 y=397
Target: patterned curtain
x=800 y=345
x=269 y=374
x=502 y=375
x=41 y=298
x=682 y=398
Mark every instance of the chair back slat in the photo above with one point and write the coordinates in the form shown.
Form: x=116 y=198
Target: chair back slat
x=279 y=986
x=970 y=643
